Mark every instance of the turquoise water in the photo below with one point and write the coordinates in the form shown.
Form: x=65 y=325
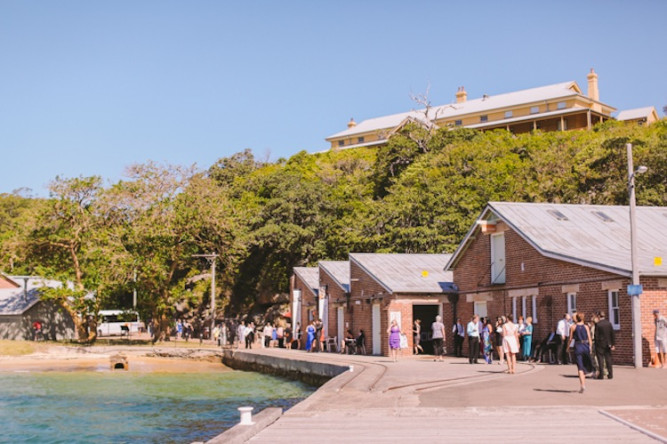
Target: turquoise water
x=101 y=407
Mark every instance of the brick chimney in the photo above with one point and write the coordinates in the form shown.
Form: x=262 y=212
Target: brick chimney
x=461 y=95
x=593 y=92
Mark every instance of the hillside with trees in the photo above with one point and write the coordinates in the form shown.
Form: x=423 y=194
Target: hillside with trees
x=418 y=194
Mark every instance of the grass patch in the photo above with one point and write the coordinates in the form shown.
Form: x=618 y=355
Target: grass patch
x=21 y=348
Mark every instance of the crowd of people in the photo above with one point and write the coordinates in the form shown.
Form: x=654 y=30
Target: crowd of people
x=588 y=343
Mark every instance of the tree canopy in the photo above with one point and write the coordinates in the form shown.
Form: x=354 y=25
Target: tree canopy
x=414 y=195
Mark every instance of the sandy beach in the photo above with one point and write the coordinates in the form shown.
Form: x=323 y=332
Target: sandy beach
x=141 y=360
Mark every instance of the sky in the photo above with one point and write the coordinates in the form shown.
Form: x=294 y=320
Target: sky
x=92 y=87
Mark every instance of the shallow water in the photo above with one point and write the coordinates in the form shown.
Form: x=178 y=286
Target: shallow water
x=101 y=407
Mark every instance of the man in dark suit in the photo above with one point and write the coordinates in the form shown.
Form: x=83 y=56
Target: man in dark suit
x=604 y=344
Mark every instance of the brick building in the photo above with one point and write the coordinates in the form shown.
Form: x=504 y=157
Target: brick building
x=401 y=286
x=543 y=260
x=334 y=285
x=304 y=296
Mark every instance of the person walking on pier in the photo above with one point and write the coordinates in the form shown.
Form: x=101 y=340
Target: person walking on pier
x=562 y=330
x=459 y=335
x=310 y=336
x=438 y=335
x=581 y=335
x=394 y=332
x=605 y=338
x=416 y=337
x=473 y=340
x=660 y=337
x=510 y=344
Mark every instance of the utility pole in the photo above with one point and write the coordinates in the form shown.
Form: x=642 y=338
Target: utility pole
x=634 y=290
x=212 y=258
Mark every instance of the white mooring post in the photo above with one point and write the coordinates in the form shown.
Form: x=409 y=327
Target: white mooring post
x=246 y=415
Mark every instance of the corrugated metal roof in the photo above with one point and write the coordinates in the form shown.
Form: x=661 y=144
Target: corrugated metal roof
x=339 y=271
x=311 y=276
x=593 y=235
x=637 y=113
x=407 y=273
x=14 y=301
x=486 y=103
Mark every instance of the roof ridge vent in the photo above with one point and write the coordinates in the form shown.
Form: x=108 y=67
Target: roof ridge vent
x=557 y=215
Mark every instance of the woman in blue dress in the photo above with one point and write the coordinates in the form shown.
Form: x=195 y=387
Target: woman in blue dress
x=581 y=335
x=310 y=331
x=527 y=339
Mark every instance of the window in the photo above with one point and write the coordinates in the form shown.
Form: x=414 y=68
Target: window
x=561 y=105
x=534 y=109
x=614 y=311
x=571 y=302
x=534 y=312
x=341 y=143
x=508 y=114
x=498 y=258
x=360 y=139
x=484 y=118
x=480 y=309
x=458 y=122
x=514 y=310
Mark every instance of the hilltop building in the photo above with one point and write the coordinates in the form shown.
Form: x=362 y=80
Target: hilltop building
x=558 y=107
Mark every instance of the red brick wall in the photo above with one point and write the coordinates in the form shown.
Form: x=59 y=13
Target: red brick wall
x=336 y=297
x=308 y=302
x=526 y=267
x=362 y=288
x=654 y=297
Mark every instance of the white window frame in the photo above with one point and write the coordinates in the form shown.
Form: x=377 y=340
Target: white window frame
x=614 y=310
x=534 y=109
x=534 y=309
x=571 y=303
x=508 y=114
x=561 y=105
x=480 y=309
x=514 y=309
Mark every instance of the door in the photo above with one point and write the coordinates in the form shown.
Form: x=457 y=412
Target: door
x=376 y=330
x=498 y=258
x=341 y=325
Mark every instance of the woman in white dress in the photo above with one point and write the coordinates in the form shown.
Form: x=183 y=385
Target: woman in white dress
x=510 y=344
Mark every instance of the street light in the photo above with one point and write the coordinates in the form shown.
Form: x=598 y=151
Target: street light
x=635 y=289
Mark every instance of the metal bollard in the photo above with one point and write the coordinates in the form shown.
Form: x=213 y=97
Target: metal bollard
x=246 y=415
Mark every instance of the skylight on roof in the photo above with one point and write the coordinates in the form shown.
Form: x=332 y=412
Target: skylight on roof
x=603 y=216
x=557 y=214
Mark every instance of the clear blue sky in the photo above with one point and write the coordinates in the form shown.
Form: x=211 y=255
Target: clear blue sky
x=90 y=87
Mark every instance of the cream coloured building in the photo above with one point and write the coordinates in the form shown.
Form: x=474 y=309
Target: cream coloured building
x=558 y=107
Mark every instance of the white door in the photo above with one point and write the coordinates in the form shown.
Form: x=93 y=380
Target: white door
x=376 y=329
x=341 y=325
x=498 y=258
x=296 y=309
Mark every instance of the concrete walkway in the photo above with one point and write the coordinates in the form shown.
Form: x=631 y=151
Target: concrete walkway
x=379 y=401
